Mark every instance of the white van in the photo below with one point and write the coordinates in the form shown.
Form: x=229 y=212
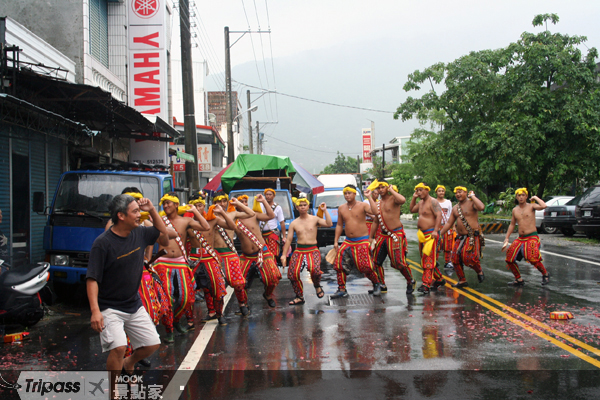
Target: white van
x=337 y=180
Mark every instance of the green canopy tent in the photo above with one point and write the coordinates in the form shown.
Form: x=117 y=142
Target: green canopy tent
x=255 y=167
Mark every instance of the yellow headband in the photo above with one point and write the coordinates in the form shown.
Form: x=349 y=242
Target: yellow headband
x=220 y=198
x=180 y=210
x=375 y=184
x=438 y=187
x=302 y=200
x=395 y=188
x=243 y=197
x=464 y=189
x=349 y=189
x=168 y=197
x=201 y=201
x=135 y=195
x=422 y=185
x=269 y=190
x=521 y=190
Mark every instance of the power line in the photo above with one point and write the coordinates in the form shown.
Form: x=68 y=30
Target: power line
x=272 y=62
x=321 y=102
x=307 y=148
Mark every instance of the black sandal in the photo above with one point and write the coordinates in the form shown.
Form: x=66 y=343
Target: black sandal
x=270 y=302
x=320 y=294
x=298 y=301
x=516 y=283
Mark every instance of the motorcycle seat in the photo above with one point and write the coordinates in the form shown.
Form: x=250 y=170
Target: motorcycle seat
x=20 y=275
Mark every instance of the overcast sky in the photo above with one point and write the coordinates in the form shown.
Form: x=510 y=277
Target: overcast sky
x=355 y=53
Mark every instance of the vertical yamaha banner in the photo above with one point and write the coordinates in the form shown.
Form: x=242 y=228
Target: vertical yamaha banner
x=147 y=69
x=366 y=145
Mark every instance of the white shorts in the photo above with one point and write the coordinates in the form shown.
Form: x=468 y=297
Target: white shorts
x=118 y=325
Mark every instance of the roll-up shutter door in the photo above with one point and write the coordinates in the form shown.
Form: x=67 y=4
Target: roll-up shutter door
x=99 y=30
x=5 y=186
x=37 y=162
x=55 y=162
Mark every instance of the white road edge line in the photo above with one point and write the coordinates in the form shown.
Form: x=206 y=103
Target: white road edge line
x=189 y=363
x=553 y=254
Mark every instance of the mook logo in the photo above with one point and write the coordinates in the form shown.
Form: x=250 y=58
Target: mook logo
x=145 y=8
x=59 y=385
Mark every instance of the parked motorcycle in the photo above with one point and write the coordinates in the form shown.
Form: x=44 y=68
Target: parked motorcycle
x=20 y=288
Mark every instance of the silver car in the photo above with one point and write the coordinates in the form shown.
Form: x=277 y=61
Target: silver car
x=539 y=214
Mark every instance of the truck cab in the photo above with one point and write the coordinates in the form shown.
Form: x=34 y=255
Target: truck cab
x=79 y=213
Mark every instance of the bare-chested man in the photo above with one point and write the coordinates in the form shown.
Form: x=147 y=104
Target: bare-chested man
x=230 y=260
x=527 y=245
x=173 y=268
x=306 y=253
x=468 y=243
x=207 y=272
x=352 y=220
x=256 y=256
x=446 y=241
x=387 y=235
x=430 y=218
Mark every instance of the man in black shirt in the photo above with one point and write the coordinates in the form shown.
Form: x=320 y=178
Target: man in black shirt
x=113 y=278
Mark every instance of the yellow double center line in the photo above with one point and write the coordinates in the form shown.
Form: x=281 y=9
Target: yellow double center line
x=520 y=323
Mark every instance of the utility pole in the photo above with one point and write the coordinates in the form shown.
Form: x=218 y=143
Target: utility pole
x=230 y=146
x=189 y=119
x=251 y=146
x=258 y=144
x=383 y=162
x=373 y=132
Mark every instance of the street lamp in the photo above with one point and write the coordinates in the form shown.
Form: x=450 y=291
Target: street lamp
x=251 y=109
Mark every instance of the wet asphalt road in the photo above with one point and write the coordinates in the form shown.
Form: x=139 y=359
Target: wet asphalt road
x=487 y=341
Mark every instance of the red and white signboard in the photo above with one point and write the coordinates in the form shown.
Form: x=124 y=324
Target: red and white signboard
x=147 y=68
x=204 y=158
x=366 y=145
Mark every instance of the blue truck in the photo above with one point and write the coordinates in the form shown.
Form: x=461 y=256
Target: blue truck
x=333 y=197
x=79 y=213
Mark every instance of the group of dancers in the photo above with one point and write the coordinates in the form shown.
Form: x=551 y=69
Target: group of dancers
x=201 y=256
x=374 y=231
x=196 y=253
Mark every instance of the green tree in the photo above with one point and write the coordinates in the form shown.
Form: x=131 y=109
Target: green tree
x=528 y=114
x=342 y=165
x=377 y=170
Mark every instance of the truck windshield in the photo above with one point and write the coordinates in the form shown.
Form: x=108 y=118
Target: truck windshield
x=88 y=192
x=333 y=199
x=280 y=198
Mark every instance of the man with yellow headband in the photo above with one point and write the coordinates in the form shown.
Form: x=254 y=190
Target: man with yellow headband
x=430 y=218
x=306 y=253
x=355 y=249
x=230 y=261
x=256 y=257
x=274 y=230
x=527 y=245
x=173 y=268
x=469 y=243
x=207 y=272
x=387 y=235
x=446 y=242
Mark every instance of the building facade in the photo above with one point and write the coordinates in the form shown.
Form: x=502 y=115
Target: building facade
x=65 y=102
